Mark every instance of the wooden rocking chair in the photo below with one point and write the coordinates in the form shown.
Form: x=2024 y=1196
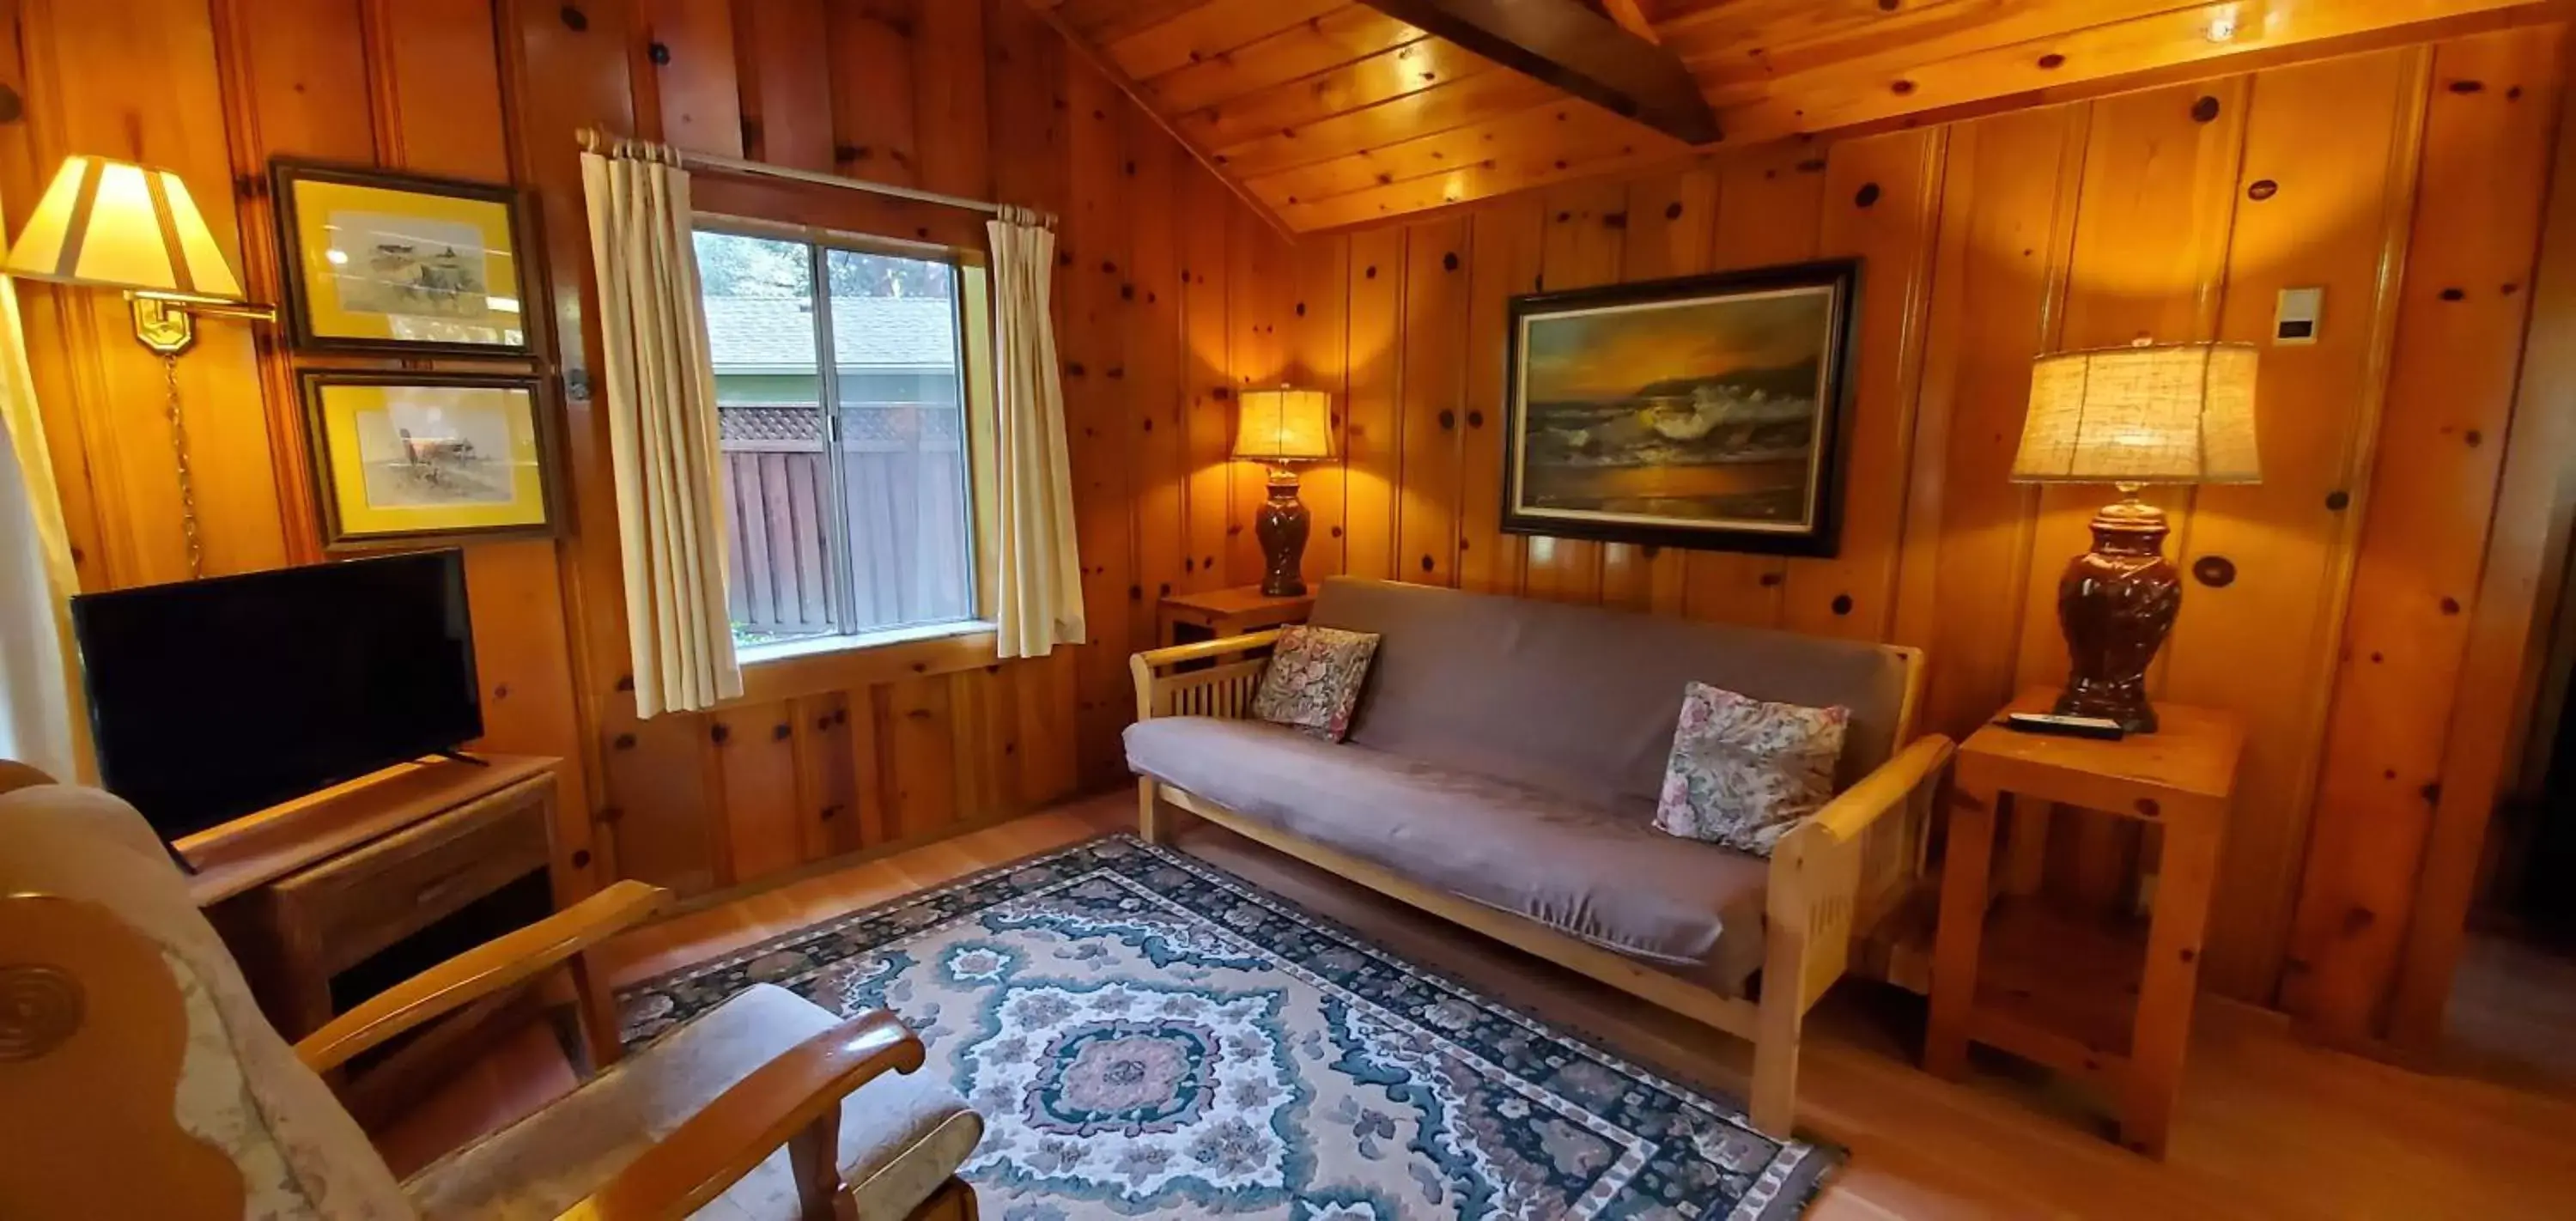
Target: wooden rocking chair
x=139 y=1079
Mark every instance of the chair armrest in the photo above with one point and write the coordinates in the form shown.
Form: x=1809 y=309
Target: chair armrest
x=497 y=965
x=686 y=1170
x=1890 y=787
x=16 y=775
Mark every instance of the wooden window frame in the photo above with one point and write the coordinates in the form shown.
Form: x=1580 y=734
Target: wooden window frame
x=809 y=664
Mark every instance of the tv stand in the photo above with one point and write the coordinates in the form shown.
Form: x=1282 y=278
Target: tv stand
x=304 y=891
x=257 y=849
x=458 y=756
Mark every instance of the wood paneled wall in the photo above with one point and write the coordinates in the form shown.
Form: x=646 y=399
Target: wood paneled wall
x=2406 y=183
x=824 y=756
x=214 y=90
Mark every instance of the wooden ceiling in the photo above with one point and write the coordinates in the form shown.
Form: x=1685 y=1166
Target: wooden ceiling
x=1330 y=113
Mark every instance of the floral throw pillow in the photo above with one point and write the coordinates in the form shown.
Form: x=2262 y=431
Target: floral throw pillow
x=1744 y=772
x=1314 y=680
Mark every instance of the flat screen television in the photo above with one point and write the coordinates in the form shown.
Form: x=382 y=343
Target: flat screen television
x=212 y=699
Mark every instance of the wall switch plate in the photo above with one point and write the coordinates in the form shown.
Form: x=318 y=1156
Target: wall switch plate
x=2297 y=318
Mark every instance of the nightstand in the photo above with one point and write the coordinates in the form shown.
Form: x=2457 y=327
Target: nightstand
x=1214 y=614
x=2107 y=999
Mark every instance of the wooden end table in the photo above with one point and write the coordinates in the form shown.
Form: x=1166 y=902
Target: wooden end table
x=2106 y=999
x=1214 y=614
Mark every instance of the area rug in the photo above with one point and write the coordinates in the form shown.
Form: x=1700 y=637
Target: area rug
x=1147 y=1035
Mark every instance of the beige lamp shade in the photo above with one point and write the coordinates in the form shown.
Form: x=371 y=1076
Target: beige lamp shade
x=2172 y=413
x=1285 y=425
x=113 y=224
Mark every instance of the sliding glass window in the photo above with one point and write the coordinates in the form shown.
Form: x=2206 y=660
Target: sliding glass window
x=857 y=520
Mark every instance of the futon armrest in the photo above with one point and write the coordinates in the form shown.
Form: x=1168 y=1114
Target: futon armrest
x=1839 y=873
x=1896 y=783
x=1156 y=661
x=1209 y=678
x=494 y=966
x=799 y=1091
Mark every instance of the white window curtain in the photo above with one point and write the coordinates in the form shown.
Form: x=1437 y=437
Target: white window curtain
x=661 y=392
x=39 y=682
x=1038 y=591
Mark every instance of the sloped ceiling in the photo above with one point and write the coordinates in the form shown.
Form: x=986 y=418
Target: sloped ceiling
x=1331 y=113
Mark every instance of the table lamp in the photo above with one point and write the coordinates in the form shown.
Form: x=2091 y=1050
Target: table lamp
x=1281 y=428
x=113 y=224
x=2161 y=413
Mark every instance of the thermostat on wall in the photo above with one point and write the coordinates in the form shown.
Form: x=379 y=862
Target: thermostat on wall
x=2296 y=322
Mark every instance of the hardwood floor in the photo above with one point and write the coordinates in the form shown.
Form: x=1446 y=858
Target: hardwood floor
x=2513 y=1014
x=2269 y=1127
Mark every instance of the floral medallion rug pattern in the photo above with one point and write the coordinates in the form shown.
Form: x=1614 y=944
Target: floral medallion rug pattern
x=1147 y=1035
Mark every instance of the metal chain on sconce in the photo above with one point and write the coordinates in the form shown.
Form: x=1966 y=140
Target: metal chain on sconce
x=179 y=450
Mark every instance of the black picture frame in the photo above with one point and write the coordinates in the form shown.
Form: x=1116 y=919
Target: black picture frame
x=338 y=539
x=284 y=175
x=1818 y=535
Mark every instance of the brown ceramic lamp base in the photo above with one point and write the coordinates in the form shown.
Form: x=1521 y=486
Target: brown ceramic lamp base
x=1282 y=528
x=2115 y=604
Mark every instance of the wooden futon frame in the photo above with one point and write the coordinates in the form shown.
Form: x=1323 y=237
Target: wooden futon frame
x=1832 y=879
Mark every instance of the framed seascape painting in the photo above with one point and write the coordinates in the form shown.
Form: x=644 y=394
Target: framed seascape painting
x=415 y=458
x=1704 y=412
x=399 y=264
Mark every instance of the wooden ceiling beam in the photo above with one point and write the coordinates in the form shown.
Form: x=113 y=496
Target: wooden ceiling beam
x=1574 y=48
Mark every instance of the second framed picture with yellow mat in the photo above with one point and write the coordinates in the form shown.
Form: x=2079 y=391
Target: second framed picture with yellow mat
x=405 y=459
x=399 y=264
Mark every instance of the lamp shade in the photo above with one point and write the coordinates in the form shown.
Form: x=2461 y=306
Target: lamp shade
x=2172 y=413
x=1285 y=425
x=113 y=224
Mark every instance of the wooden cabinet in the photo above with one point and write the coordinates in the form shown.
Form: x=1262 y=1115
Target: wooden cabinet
x=306 y=892
x=353 y=907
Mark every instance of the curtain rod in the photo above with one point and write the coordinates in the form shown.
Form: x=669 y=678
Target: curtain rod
x=597 y=141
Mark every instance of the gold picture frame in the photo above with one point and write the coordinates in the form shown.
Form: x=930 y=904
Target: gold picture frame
x=398 y=263
x=414 y=458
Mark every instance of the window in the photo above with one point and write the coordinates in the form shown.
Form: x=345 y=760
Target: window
x=854 y=521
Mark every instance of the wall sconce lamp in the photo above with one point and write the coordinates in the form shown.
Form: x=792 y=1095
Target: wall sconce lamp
x=114 y=224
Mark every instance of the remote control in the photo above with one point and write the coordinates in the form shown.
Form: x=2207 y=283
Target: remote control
x=2066 y=726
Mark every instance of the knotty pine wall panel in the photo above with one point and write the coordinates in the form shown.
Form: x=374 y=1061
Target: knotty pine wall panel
x=1507 y=239
x=981 y=99
x=1770 y=207
x=1315 y=344
x=2173 y=213
x=2415 y=574
x=2353 y=139
x=1151 y=413
x=1987 y=241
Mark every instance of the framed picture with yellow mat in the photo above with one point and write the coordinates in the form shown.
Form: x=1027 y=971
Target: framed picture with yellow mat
x=398 y=263
x=416 y=458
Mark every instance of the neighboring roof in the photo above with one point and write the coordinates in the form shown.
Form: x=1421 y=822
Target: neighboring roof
x=777 y=333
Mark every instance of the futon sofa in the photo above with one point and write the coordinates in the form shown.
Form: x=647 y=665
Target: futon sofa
x=1502 y=770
